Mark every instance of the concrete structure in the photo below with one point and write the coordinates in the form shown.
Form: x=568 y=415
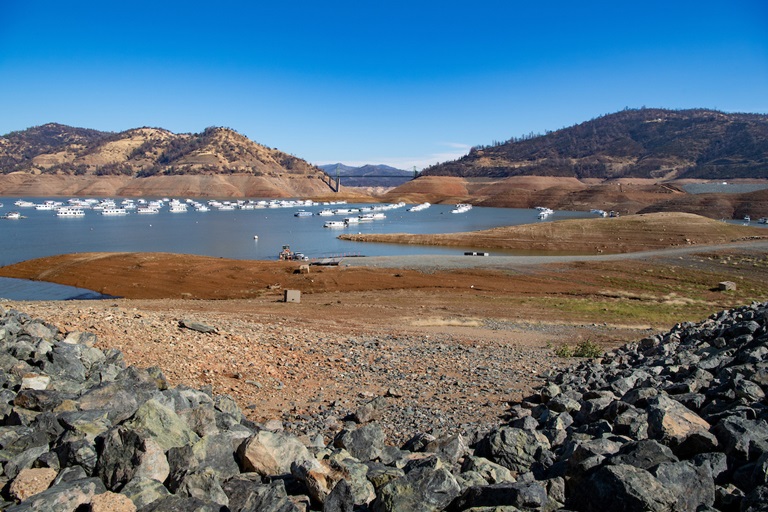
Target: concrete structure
x=292 y=296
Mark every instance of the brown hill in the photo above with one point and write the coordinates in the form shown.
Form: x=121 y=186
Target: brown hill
x=643 y=143
x=625 y=195
x=55 y=159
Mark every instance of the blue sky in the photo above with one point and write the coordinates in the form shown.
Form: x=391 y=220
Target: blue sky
x=402 y=83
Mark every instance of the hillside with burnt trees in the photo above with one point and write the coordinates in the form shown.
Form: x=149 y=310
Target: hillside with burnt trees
x=641 y=143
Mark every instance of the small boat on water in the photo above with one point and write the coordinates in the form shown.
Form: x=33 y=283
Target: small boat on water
x=334 y=224
x=544 y=212
x=11 y=216
x=370 y=217
x=303 y=213
x=419 y=207
x=70 y=211
x=114 y=211
x=325 y=212
x=462 y=208
x=147 y=210
x=48 y=205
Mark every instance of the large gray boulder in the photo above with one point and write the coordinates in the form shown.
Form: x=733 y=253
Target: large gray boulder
x=421 y=490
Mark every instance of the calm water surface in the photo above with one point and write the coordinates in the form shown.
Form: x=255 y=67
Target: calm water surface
x=228 y=234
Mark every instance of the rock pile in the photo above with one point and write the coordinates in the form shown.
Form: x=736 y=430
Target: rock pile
x=677 y=421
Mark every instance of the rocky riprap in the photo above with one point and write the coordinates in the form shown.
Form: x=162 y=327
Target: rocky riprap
x=676 y=421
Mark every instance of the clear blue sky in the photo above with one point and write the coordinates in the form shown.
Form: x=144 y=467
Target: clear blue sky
x=402 y=83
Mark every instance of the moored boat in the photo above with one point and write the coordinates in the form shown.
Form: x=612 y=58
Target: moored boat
x=114 y=211
x=462 y=208
x=419 y=207
x=70 y=211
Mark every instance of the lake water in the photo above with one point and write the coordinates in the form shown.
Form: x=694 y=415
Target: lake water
x=227 y=234
x=230 y=234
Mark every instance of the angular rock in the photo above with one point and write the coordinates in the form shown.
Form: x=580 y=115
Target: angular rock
x=421 y=490
x=205 y=485
x=162 y=424
x=672 y=422
x=214 y=451
x=522 y=495
x=271 y=453
x=111 y=502
x=370 y=411
x=197 y=326
x=63 y=497
x=513 y=448
x=144 y=491
x=319 y=476
x=340 y=499
x=744 y=440
x=247 y=494
x=30 y=482
x=622 y=487
x=693 y=485
x=364 y=443
x=491 y=472
x=127 y=454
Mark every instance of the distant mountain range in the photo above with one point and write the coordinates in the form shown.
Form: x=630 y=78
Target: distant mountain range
x=368 y=175
x=642 y=143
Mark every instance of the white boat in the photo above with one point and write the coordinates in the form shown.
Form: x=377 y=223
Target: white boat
x=24 y=204
x=202 y=208
x=325 y=212
x=419 y=207
x=48 y=205
x=601 y=213
x=334 y=224
x=461 y=208
x=747 y=218
x=303 y=213
x=12 y=216
x=70 y=211
x=544 y=212
x=352 y=220
x=114 y=211
x=178 y=208
x=147 y=210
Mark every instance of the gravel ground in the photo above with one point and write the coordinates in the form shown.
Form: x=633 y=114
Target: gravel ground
x=445 y=379
x=427 y=263
x=720 y=188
